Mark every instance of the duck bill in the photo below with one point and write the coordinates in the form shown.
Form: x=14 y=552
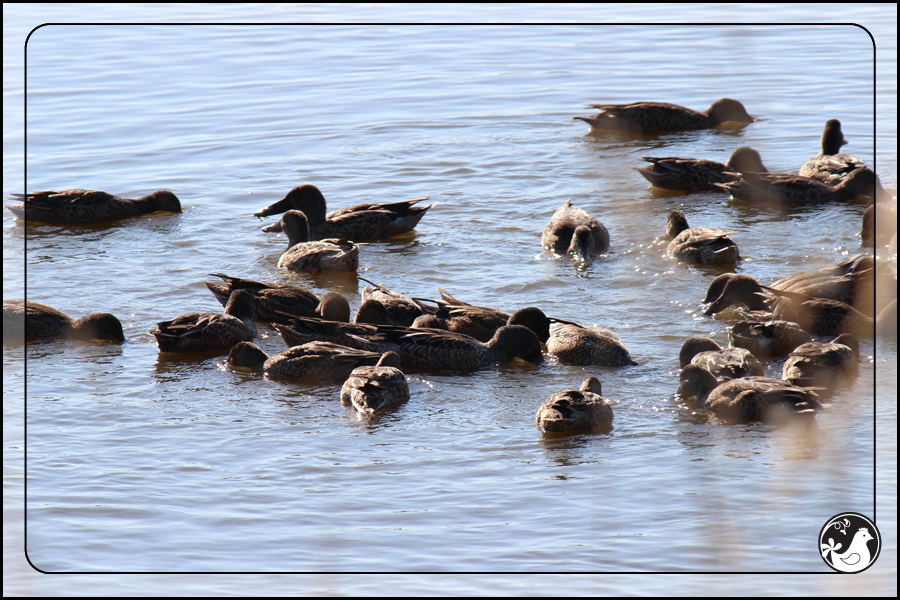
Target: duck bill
x=717 y=306
x=279 y=207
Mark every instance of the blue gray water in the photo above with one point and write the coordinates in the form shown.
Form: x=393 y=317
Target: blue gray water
x=141 y=463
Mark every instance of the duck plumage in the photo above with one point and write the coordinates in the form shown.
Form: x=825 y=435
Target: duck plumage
x=89 y=206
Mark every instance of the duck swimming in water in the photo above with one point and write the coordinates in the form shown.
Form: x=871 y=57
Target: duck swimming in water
x=370 y=389
x=692 y=175
x=748 y=399
x=576 y=410
x=89 y=206
x=661 y=117
x=558 y=233
x=25 y=320
x=699 y=244
x=201 y=332
x=318 y=255
x=359 y=223
x=575 y=344
x=272 y=300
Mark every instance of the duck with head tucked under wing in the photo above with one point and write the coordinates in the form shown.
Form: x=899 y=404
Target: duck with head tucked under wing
x=359 y=223
x=558 y=233
x=575 y=344
x=369 y=389
x=583 y=409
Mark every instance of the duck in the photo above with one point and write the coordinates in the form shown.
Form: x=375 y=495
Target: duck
x=699 y=244
x=437 y=350
x=381 y=306
x=782 y=188
x=879 y=226
x=370 y=389
x=296 y=331
x=661 y=117
x=820 y=316
x=692 y=175
x=575 y=344
x=886 y=321
x=89 y=206
x=767 y=339
x=317 y=361
x=831 y=166
x=26 y=320
x=361 y=222
x=558 y=233
x=576 y=410
x=850 y=281
x=823 y=365
x=748 y=399
x=481 y=322
x=339 y=255
x=202 y=332
x=723 y=363
x=272 y=302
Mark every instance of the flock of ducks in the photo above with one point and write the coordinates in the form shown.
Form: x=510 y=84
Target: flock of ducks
x=390 y=332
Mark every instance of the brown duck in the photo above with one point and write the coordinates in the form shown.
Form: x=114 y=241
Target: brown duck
x=558 y=233
x=89 y=206
x=692 y=175
x=200 y=332
x=575 y=344
x=723 y=363
x=481 y=322
x=381 y=306
x=359 y=223
x=661 y=117
x=699 y=244
x=583 y=409
x=831 y=166
x=272 y=300
x=370 y=389
x=24 y=320
x=823 y=365
x=748 y=399
x=796 y=190
x=317 y=361
x=339 y=255
x=767 y=339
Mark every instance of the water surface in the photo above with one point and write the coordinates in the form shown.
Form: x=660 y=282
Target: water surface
x=141 y=462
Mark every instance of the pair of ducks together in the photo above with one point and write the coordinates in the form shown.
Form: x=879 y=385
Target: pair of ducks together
x=573 y=231
x=831 y=176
